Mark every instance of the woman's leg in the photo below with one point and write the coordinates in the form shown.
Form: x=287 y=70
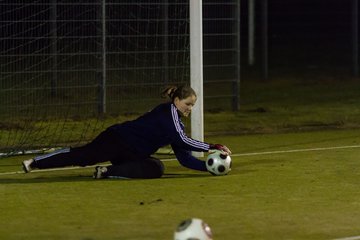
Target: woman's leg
x=104 y=147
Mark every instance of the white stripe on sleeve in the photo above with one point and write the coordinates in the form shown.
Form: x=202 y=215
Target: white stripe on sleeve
x=184 y=138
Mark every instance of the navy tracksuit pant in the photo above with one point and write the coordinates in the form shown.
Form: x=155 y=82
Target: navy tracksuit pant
x=107 y=146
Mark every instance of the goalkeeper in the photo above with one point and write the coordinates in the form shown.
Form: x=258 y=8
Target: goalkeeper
x=129 y=145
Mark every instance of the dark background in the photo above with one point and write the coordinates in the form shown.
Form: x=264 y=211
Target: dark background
x=303 y=36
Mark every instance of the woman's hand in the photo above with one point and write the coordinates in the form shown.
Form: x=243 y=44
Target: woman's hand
x=220 y=147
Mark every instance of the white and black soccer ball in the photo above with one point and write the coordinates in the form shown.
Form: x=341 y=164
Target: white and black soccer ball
x=193 y=229
x=218 y=163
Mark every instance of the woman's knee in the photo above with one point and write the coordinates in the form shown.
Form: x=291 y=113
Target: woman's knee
x=145 y=168
x=157 y=168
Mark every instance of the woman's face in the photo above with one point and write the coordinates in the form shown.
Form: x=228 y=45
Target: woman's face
x=185 y=105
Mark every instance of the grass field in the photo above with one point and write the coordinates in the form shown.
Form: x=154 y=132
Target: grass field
x=282 y=186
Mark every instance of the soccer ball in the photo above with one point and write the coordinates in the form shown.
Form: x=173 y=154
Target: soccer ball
x=193 y=229
x=218 y=163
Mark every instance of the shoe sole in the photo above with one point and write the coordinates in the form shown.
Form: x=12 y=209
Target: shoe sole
x=96 y=173
x=24 y=168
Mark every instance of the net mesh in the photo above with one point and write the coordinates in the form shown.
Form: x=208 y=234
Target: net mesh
x=52 y=65
x=69 y=69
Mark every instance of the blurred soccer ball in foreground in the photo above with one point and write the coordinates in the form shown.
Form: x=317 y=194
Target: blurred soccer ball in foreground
x=218 y=163
x=193 y=229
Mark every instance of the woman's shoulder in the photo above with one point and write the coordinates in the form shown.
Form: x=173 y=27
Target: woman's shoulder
x=164 y=111
x=163 y=107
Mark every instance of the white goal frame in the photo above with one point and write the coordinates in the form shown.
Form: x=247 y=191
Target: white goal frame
x=196 y=71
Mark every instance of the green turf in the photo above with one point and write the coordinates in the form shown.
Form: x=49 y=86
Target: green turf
x=310 y=194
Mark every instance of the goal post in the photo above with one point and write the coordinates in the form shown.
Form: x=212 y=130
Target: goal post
x=196 y=70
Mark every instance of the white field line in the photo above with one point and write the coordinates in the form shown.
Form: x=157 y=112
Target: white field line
x=46 y=170
x=348 y=238
x=285 y=151
x=295 y=150
x=233 y=155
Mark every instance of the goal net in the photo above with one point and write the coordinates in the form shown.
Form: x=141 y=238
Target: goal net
x=53 y=56
x=69 y=69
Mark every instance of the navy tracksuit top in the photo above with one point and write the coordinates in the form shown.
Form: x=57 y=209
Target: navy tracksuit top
x=160 y=127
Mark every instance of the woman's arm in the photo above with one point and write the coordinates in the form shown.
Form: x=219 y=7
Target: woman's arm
x=180 y=138
x=187 y=160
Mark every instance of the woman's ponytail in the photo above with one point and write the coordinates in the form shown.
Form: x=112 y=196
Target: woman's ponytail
x=169 y=92
x=180 y=92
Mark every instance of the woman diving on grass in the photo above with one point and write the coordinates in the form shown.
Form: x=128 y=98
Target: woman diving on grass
x=129 y=146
